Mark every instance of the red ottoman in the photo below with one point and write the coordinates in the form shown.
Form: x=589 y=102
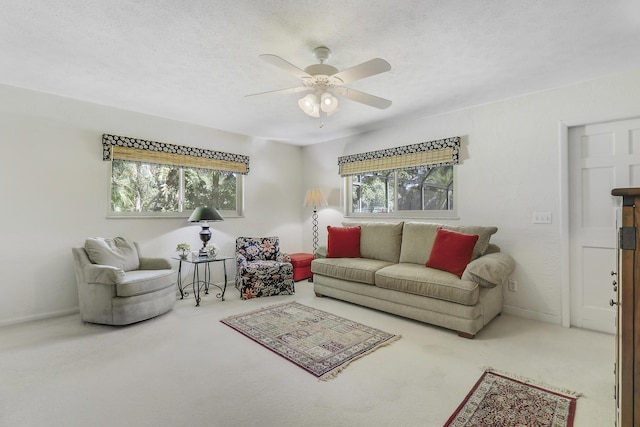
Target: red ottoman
x=301 y=266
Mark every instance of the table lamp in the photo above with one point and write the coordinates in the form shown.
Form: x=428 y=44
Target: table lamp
x=203 y=215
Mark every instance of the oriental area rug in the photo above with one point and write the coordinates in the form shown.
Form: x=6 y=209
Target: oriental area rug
x=319 y=342
x=498 y=400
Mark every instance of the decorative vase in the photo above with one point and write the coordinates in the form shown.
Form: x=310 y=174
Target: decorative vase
x=183 y=255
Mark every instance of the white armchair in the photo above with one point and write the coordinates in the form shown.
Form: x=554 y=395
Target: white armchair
x=116 y=286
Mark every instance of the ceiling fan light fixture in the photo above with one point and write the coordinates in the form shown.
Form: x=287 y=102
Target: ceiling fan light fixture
x=326 y=81
x=328 y=103
x=309 y=105
x=313 y=103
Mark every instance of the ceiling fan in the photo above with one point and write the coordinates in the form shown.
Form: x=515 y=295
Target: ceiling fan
x=325 y=82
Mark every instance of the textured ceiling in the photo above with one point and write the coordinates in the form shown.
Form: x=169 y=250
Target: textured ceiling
x=195 y=60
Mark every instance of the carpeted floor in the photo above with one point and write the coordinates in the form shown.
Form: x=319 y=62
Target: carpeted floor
x=187 y=368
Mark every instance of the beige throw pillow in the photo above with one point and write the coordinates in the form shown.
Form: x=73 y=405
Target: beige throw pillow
x=490 y=271
x=417 y=241
x=118 y=252
x=379 y=240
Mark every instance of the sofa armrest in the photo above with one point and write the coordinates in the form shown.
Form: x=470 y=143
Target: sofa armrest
x=154 y=264
x=490 y=270
x=321 y=252
x=103 y=274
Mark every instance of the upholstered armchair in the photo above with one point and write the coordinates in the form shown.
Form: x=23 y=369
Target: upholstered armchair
x=262 y=270
x=116 y=286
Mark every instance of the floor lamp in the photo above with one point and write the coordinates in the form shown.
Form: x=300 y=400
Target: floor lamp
x=315 y=198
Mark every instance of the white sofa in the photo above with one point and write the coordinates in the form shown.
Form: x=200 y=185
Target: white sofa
x=391 y=275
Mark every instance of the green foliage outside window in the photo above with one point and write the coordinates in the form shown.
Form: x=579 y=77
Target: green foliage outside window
x=205 y=187
x=420 y=189
x=138 y=187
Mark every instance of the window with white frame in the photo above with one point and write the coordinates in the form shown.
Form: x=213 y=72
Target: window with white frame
x=157 y=179
x=410 y=181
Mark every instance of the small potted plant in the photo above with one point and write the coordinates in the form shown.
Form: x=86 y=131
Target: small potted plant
x=212 y=249
x=184 y=248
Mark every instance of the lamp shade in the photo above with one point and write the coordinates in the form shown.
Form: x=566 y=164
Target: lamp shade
x=309 y=104
x=313 y=103
x=205 y=214
x=314 y=197
x=329 y=103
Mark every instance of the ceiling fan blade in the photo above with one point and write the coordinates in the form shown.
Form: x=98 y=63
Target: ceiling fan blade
x=286 y=66
x=289 y=90
x=363 y=98
x=366 y=69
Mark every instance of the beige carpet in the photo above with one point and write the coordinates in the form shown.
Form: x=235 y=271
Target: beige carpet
x=187 y=368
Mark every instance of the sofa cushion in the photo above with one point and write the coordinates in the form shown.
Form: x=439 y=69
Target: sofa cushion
x=343 y=242
x=360 y=270
x=452 y=251
x=490 y=270
x=417 y=240
x=118 y=252
x=421 y=280
x=380 y=240
x=484 y=235
x=140 y=282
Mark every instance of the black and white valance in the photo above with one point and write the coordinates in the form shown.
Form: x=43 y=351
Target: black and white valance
x=432 y=153
x=140 y=150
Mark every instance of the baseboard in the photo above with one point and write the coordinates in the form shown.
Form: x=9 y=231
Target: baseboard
x=42 y=316
x=533 y=315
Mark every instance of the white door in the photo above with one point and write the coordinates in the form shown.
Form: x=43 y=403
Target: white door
x=601 y=157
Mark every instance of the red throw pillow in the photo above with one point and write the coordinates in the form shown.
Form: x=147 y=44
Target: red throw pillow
x=452 y=251
x=343 y=242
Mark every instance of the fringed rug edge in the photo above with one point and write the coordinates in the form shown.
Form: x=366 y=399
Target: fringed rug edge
x=335 y=371
x=534 y=383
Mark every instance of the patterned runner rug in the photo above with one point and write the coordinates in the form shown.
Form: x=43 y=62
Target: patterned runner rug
x=497 y=400
x=319 y=342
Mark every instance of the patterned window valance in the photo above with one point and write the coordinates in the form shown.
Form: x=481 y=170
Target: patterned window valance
x=432 y=153
x=140 y=150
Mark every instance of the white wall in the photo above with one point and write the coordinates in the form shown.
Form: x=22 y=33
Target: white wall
x=511 y=166
x=54 y=185
x=54 y=188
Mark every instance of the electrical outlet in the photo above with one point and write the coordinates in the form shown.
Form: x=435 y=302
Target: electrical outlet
x=542 y=217
x=513 y=285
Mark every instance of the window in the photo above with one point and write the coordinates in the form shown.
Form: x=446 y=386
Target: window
x=410 y=181
x=150 y=189
x=150 y=178
x=422 y=191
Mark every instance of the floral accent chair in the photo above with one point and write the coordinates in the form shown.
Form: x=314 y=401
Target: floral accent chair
x=261 y=269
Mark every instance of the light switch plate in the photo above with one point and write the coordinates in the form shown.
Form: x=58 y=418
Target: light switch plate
x=542 y=217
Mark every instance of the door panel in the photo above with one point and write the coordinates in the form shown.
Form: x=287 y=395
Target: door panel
x=601 y=157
